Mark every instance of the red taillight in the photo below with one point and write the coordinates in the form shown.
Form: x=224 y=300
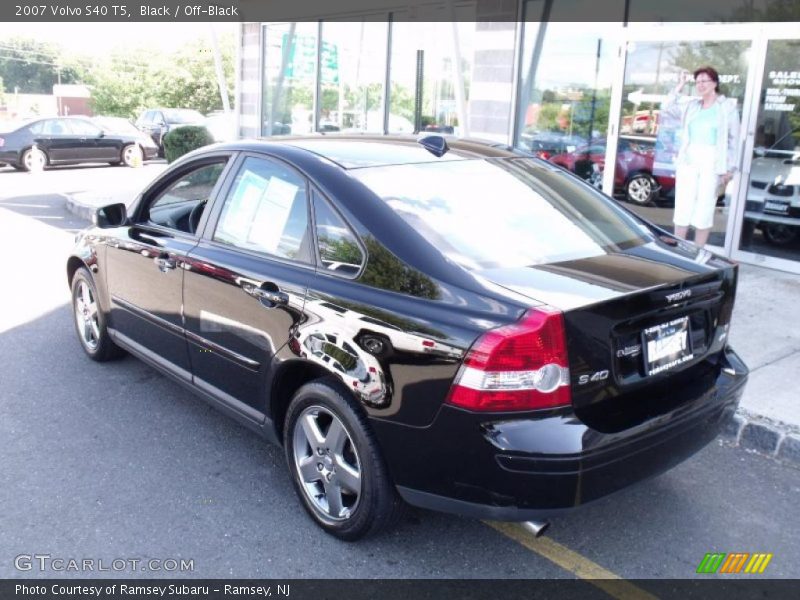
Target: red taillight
x=522 y=366
x=543 y=154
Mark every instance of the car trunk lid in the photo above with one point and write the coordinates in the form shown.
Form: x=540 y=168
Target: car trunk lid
x=637 y=329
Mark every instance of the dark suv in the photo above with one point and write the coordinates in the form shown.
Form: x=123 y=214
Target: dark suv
x=443 y=323
x=158 y=122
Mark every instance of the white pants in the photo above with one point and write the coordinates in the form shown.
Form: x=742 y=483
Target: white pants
x=696 y=188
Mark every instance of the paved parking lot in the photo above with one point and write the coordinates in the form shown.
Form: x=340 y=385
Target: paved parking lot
x=115 y=461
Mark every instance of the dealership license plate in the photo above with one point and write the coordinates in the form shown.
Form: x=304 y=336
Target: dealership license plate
x=667 y=345
x=776 y=207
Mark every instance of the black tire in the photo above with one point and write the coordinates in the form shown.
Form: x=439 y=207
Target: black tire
x=347 y=507
x=641 y=189
x=376 y=344
x=779 y=234
x=90 y=320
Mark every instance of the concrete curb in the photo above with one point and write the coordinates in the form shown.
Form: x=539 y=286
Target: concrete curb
x=84 y=211
x=767 y=437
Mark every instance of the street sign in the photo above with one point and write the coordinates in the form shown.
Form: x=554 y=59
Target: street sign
x=302 y=59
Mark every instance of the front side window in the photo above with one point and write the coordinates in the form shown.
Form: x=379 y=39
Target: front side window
x=181 y=205
x=84 y=128
x=266 y=211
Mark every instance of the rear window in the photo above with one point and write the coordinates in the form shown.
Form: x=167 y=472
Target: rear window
x=487 y=214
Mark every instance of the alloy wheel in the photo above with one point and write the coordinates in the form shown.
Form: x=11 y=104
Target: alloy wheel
x=129 y=155
x=640 y=189
x=327 y=464
x=86 y=316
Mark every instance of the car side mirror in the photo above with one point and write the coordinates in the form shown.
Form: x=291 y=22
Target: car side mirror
x=113 y=215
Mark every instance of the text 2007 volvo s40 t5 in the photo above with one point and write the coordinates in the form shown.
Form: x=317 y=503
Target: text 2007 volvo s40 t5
x=440 y=323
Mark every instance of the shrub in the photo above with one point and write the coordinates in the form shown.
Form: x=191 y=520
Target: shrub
x=185 y=139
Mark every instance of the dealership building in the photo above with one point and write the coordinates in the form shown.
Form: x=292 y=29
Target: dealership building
x=584 y=94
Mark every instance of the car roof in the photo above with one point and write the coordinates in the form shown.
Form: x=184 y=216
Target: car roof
x=359 y=151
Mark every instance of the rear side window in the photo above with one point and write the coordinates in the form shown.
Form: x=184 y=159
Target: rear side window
x=267 y=211
x=338 y=248
x=486 y=214
x=56 y=127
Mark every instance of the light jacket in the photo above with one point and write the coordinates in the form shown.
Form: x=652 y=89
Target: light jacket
x=725 y=159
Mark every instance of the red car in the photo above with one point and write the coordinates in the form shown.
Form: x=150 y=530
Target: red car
x=633 y=173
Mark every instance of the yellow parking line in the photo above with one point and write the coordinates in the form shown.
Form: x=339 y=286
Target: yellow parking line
x=573 y=562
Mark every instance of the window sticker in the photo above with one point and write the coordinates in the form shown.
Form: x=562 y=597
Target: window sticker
x=243 y=206
x=272 y=215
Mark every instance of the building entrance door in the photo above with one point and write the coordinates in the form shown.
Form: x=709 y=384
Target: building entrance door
x=646 y=125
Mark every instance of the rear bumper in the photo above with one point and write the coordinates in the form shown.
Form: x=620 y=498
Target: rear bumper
x=526 y=467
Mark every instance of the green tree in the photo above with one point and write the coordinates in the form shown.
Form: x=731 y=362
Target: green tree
x=34 y=67
x=401 y=101
x=124 y=84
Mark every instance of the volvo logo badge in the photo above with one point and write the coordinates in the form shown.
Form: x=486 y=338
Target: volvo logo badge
x=629 y=351
x=677 y=296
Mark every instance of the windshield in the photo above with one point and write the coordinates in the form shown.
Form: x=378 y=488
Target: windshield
x=486 y=214
x=183 y=116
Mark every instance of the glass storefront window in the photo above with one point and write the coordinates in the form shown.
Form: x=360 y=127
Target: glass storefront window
x=565 y=92
x=352 y=76
x=434 y=97
x=650 y=125
x=771 y=223
x=290 y=65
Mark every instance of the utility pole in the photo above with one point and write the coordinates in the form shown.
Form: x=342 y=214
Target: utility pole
x=223 y=86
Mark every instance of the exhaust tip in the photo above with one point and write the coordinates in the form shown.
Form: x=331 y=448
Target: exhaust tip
x=537 y=528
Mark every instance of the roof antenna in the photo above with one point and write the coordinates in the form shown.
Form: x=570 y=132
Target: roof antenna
x=435 y=144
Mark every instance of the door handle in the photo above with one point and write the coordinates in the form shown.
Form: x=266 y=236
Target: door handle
x=165 y=263
x=273 y=296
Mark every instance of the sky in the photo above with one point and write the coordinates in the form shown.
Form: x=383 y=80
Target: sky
x=99 y=38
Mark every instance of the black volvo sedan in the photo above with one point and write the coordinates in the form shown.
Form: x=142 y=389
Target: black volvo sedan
x=70 y=141
x=436 y=322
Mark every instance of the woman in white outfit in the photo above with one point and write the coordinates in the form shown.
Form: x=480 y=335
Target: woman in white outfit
x=706 y=159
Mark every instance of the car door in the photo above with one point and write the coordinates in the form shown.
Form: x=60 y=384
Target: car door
x=146 y=125
x=146 y=261
x=246 y=281
x=58 y=141
x=159 y=127
x=96 y=146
